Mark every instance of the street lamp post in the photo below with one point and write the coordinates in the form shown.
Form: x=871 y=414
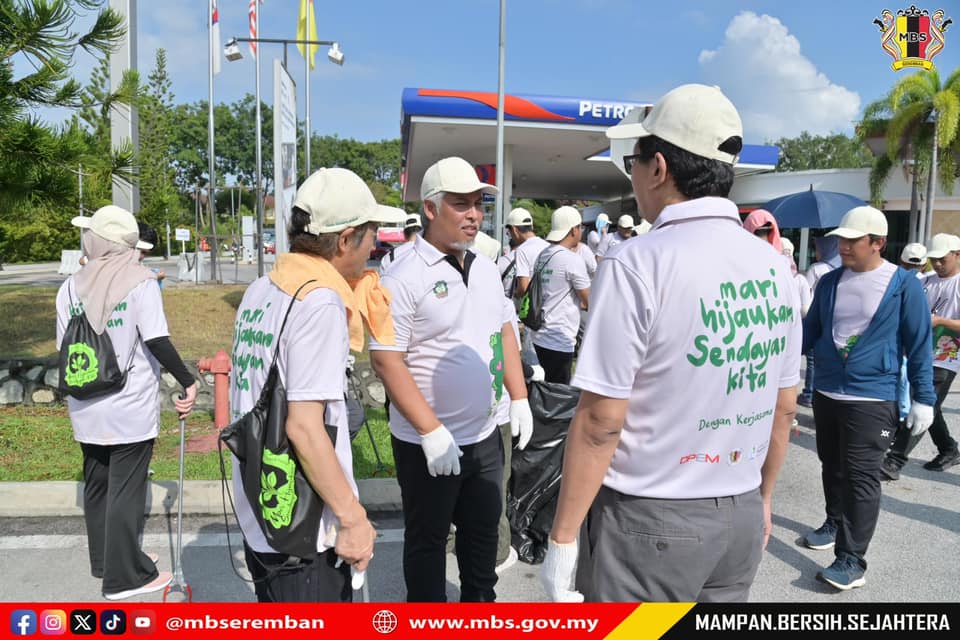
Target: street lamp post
x=232 y=53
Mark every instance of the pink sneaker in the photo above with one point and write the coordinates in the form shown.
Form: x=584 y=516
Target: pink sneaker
x=156 y=584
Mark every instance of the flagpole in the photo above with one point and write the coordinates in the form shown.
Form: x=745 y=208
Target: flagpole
x=256 y=9
x=308 y=134
x=211 y=200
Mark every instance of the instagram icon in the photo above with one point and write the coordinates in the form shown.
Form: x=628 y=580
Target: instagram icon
x=53 y=622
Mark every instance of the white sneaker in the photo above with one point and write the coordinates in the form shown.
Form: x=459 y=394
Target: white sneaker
x=510 y=560
x=157 y=584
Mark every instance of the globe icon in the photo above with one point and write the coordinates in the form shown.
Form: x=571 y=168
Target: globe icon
x=384 y=621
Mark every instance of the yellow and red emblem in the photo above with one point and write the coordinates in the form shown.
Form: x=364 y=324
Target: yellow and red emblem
x=912 y=37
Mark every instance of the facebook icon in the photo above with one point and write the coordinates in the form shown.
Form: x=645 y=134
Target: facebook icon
x=23 y=622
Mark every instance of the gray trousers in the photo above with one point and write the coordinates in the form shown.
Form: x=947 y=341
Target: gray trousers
x=650 y=550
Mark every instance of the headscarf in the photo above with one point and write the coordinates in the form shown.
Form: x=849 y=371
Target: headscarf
x=112 y=271
x=761 y=218
x=788 y=253
x=828 y=248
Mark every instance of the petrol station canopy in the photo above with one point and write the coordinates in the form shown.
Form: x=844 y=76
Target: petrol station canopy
x=554 y=147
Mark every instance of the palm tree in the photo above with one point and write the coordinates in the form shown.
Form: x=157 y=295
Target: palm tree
x=917 y=111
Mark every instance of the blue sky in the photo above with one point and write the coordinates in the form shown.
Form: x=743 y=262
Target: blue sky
x=788 y=66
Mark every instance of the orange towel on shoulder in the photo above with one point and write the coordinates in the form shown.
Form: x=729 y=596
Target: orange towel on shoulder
x=367 y=303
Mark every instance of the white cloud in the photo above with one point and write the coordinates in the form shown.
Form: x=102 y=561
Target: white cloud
x=777 y=90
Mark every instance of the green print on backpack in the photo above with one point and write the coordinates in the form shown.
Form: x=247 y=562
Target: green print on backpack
x=82 y=365
x=277 y=501
x=496 y=365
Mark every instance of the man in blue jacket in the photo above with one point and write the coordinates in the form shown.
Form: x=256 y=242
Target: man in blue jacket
x=865 y=316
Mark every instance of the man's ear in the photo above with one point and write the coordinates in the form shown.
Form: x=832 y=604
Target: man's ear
x=428 y=210
x=345 y=239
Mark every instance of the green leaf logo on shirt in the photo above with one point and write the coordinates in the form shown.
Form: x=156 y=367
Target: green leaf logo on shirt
x=440 y=289
x=496 y=365
x=82 y=364
x=845 y=351
x=277 y=500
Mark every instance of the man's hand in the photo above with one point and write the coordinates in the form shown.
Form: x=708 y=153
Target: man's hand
x=559 y=568
x=521 y=421
x=355 y=538
x=920 y=418
x=767 y=523
x=442 y=452
x=184 y=404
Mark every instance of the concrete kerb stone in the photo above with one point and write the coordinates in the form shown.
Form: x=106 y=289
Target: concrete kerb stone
x=200 y=497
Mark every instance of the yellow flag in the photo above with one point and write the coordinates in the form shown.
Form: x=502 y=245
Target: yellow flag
x=307 y=30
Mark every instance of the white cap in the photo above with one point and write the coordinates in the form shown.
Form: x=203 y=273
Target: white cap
x=561 y=222
x=115 y=224
x=625 y=222
x=337 y=199
x=694 y=117
x=942 y=244
x=413 y=221
x=861 y=221
x=787 y=246
x=603 y=218
x=642 y=228
x=452 y=175
x=914 y=253
x=519 y=217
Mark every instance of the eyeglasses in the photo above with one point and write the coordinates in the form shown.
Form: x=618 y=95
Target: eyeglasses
x=629 y=161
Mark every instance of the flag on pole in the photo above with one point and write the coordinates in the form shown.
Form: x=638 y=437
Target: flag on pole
x=307 y=30
x=252 y=11
x=215 y=52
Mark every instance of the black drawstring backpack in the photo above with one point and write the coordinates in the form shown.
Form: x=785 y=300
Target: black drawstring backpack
x=286 y=507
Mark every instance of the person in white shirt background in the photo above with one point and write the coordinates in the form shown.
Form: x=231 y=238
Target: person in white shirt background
x=914 y=258
x=529 y=245
x=664 y=497
x=828 y=259
x=601 y=227
x=803 y=287
x=411 y=227
x=623 y=233
x=457 y=391
x=566 y=290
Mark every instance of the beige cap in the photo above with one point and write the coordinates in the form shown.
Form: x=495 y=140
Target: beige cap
x=115 y=224
x=603 y=218
x=519 y=217
x=413 y=221
x=452 y=175
x=914 y=253
x=942 y=244
x=625 y=222
x=861 y=221
x=338 y=199
x=561 y=222
x=694 y=117
x=787 y=246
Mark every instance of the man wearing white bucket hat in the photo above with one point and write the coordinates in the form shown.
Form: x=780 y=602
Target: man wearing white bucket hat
x=674 y=495
x=864 y=317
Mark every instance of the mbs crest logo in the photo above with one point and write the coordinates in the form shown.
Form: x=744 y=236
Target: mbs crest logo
x=912 y=37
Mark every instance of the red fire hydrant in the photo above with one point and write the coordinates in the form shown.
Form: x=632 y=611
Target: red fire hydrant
x=219 y=366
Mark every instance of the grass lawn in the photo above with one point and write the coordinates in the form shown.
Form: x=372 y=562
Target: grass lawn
x=36 y=443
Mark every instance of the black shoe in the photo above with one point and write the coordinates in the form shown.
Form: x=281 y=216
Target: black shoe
x=890 y=469
x=805 y=401
x=943 y=461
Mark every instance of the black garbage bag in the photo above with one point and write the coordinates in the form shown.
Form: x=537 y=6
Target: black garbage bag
x=535 y=471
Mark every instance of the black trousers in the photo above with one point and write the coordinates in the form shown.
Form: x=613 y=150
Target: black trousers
x=114 y=497
x=852 y=437
x=311 y=580
x=556 y=364
x=470 y=500
x=905 y=441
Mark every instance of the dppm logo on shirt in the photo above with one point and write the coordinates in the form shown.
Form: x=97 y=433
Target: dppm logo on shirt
x=708 y=458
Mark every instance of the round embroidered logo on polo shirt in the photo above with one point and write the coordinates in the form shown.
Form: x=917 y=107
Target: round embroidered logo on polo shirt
x=440 y=289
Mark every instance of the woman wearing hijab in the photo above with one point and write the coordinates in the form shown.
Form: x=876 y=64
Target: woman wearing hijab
x=116 y=431
x=762 y=224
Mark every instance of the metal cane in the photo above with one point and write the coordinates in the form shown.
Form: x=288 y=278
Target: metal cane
x=354 y=387
x=179 y=583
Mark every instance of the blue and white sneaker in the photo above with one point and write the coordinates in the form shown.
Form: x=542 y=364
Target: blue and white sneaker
x=846 y=572
x=822 y=538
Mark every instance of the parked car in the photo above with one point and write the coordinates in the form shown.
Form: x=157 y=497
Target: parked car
x=269 y=242
x=380 y=249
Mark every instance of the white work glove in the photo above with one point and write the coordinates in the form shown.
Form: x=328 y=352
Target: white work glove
x=920 y=418
x=557 y=574
x=538 y=375
x=442 y=452
x=357 y=578
x=521 y=421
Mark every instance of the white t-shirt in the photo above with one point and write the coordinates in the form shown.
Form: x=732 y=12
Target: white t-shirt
x=451 y=335
x=508 y=271
x=593 y=240
x=815 y=272
x=564 y=273
x=608 y=242
x=707 y=330
x=858 y=297
x=943 y=296
x=527 y=255
x=132 y=414
x=312 y=359
x=397 y=251
x=589 y=259
x=806 y=296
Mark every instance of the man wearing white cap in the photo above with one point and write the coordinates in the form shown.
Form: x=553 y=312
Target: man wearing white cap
x=914 y=258
x=864 y=317
x=116 y=430
x=599 y=232
x=311 y=311
x=455 y=385
x=520 y=228
x=411 y=227
x=943 y=295
x=624 y=232
x=566 y=289
x=673 y=489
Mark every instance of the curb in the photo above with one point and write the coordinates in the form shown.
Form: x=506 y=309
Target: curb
x=200 y=497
